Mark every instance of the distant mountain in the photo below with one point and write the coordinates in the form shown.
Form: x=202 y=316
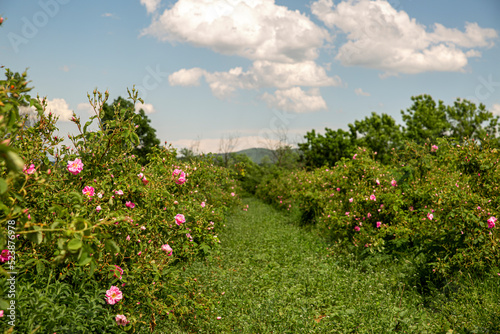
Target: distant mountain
x=257 y=154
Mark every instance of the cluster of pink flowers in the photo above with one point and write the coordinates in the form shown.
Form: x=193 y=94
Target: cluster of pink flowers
x=5 y=255
x=75 y=166
x=181 y=174
x=143 y=178
x=121 y=320
x=491 y=222
x=129 y=204
x=113 y=295
x=88 y=191
x=372 y=197
x=434 y=148
x=167 y=249
x=29 y=170
x=179 y=219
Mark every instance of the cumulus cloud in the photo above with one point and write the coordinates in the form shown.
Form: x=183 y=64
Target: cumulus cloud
x=151 y=5
x=495 y=109
x=147 y=107
x=59 y=107
x=85 y=106
x=360 y=92
x=295 y=100
x=186 y=77
x=254 y=29
x=262 y=74
x=381 y=37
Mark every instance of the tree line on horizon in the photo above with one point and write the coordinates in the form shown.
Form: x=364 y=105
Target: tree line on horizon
x=425 y=121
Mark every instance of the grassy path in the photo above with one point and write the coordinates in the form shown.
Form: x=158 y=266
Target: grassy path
x=274 y=277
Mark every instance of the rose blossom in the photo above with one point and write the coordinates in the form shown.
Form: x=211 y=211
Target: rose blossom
x=378 y=224
x=75 y=166
x=491 y=222
x=167 y=249
x=113 y=295
x=5 y=255
x=434 y=148
x=372 y=197
x=30 y=170
x=121 y=320
x=89 y=191
x=129 y=204
x=179 y=219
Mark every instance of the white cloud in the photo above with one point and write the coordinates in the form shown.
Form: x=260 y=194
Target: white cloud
x=381 y=37
x=64 y=68
x=262 y=74
x=147 y=107
x=495 y=109
x=151 y=5
x=254 y=29
x=60 y=108
x=85 y=106
x=474 y=35
x=295 y=100
x=360 y=92
x=185 y=77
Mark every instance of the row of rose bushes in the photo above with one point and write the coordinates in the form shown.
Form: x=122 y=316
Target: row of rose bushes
x=436 y=203
x=89 y=206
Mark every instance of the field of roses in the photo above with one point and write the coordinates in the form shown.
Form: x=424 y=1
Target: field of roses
x=436 y=205
x=95 y=239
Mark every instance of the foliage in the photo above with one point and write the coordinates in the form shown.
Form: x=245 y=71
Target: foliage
x=121 y=108
x=324 y=150
x=378 y=133
x=430 y=204
x=79 y=235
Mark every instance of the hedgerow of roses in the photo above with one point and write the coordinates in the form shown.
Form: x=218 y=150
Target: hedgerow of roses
x=437 y=200
x=96 y=207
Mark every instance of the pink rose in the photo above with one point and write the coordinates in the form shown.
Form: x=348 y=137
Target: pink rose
x=434 y=148
x=129 y=204
x=113 y=295
x=372 y=197
x=121 y=320
x=491 y=223
x=356 y=228
x=88 y=191
x=75 y=166
x=5 y=255
x=394 y=183
x=167 y=249
x=179 y=219
x=378 y=224
x=29 y=170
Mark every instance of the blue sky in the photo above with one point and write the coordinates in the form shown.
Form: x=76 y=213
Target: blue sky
x=213 y=68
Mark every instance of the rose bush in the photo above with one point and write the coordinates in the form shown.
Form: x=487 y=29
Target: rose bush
x=81 y=209
x=434 y=203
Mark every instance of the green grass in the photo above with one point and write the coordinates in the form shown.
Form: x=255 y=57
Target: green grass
x=272 y=276
x=275 y=277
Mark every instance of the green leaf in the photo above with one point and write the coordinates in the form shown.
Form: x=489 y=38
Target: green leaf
x=74 y=245
x=3 y=186
x=35 y=237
